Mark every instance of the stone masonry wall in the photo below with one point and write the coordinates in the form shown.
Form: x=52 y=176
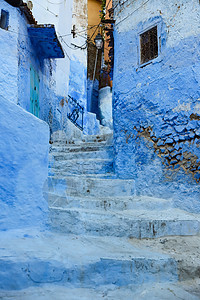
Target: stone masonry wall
x=157 y=105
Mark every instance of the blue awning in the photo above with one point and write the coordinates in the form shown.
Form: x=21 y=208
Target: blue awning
x=45 y=41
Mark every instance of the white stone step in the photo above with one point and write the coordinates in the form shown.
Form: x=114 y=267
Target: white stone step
x=98 y=138
x=148 y=291
x=82 y=144
x=89 y=186
x=80 y=148
x=82 y=166
x=102 y=154
x=31 y=259
x=109 y=203
x=127 y=223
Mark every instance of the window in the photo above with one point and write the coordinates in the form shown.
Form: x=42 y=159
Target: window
x=4 y=19
x=149 y=45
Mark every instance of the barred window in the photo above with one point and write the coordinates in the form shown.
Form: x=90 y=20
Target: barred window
x=4 y=20
x=149 y=45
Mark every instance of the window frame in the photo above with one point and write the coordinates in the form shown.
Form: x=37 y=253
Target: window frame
x=158 y=25
x=6 y=14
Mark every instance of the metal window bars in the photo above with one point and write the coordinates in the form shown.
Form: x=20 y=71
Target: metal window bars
x=75 y=112
x=149 y=45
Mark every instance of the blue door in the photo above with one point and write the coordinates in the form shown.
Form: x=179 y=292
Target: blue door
x=34 y=92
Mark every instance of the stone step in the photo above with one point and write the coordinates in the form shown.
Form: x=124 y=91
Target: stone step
x=80 y=148
x=148 y=291
x=32 y=259
x=127 y=223
x=98 y=138
x=63 y=143
x=89 y=186
x=63 y=139
x=109 y=203
x=102 y=154
x=82 y=166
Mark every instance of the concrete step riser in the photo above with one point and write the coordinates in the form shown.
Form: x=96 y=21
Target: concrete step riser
x=85 y=139
x=105 y=203
x=77 y=186
x=20 y=275
x=94 y=138
x=80 y=147
x=84 y=155
x=81 y=167
x=88 y=223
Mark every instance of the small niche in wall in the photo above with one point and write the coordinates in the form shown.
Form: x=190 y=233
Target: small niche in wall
x=4 y=20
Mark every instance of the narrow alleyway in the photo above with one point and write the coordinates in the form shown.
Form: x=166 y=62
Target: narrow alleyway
x=93 y=249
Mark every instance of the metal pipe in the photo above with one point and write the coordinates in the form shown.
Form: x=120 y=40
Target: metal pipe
x=94 y=73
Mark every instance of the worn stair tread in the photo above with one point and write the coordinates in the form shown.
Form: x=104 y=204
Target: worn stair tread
x=172 y=214
x=89 y=185
x=71 y=249
x=108 y=175
x=81 y=145
x=93 y=177
x=34 y=258
x=104 y=154
x=156 y=291
x=106 y=202
x=124 y=223
x=88 y=160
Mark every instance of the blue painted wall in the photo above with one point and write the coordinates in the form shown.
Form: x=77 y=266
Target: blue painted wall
x=8 y=55
x=17 y=56
x=78 y=82
x=23 y=168
x=93 y=97
x=157 y=110
x=28 y=56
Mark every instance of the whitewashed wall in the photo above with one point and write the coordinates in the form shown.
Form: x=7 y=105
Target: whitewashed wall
x=59 y=13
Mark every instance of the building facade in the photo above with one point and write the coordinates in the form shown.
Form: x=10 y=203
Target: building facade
x=29 y=69
x=157 y=99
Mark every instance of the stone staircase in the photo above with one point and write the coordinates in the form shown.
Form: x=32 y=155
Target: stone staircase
x=85 y=197
x=103 y=240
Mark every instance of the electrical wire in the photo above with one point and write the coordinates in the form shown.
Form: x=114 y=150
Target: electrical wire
x=42 y=38
x=94 y=32
x=47 y=9
x=66 y=54
x=76 y=46
x=55 y=2
x=35 y=36
x=108 y=4
x=131 y=12
x=84 y=37
x=60 y=36
x=81 y=30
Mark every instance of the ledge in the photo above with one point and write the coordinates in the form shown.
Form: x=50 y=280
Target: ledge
x=45 y=40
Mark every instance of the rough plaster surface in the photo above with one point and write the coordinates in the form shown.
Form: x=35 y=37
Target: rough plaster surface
x=105 y=106
x=78 y=63
x=156 y=108
x=58 y=13
x=8 y=57
x=185 y=250
x=23 y=167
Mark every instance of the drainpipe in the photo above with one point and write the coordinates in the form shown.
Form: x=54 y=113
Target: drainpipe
x=94 y=73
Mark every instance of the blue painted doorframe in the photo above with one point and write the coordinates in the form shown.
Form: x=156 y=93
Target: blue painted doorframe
x=34 y=92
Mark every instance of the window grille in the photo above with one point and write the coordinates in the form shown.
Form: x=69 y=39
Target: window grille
x=4 y=21
x=149 y=45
